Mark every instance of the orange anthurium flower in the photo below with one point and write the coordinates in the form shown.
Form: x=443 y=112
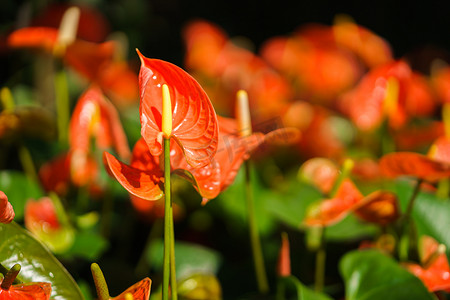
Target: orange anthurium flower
x=194 y=120
x=6 y=209
x=320 y=69
x=92 y=25
x=53 y=229
x=94 y=61
x=369 y=47
x=139 y=291
x=331 y=211
x=320 y=172
x=434 y=269
x=431 y=167
x=144 y=177
x=229 y=68
x=26 y=291
x=390 y=91
x=379 y=207
x=441 y=84
x=41 y=214
x=93 y=116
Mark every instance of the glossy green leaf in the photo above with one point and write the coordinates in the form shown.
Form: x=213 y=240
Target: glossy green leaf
x=303 y=292
x=189 y=258
x=38 y=264
x=231 y=204
x=430 y=213
x=18 y=188
x=372 y=275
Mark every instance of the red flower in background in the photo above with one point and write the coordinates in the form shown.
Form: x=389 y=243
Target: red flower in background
x=434 y=270
x=92 y=26
x=6 y=209
x=94 y=119
x=379 y=207
x=224 y=68
x=431 y=167
x=96 y=62
x=49 y=224
x=391 y=91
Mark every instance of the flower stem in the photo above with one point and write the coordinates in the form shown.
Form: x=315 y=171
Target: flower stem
x=408 y=212
x=319 y=276
x=258 y=259
x=169 y=253
x=173 y=277
x=408 y=242
x=62 y=105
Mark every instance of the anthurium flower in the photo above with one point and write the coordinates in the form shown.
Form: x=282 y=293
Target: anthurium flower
x=95 y=61
x=226 y=67
x=391 y=91
x=369 y=47
x=431 y=167
x=92 y=25
x=321 y=71
x=95 y=117
x=379 y=207
x=144 y=177
x=139 y=291
x=194 y=120
x=6 y=209
x=42 y=220
x=434 y=269
x=23 y=291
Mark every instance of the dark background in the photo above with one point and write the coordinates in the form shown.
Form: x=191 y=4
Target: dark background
x=155 y=25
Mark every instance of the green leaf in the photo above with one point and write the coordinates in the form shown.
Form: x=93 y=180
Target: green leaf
x=18 y=188
x=38 y=264
x=350 y=228
x=371 y=275
x=430 y=213
x=88 y=245
x=303 y=292
x=232 y=204
x=291 y=206
x=189 y=258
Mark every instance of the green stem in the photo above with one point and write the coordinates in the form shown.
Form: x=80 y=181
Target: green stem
x=319 y=276
x=62 y=105
x=408 y=212
x=258 y=259
x=168 y=224
x=173 y=277
x=100 y=283
x=408 y=242
x=280 y=290
x=27 y=163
